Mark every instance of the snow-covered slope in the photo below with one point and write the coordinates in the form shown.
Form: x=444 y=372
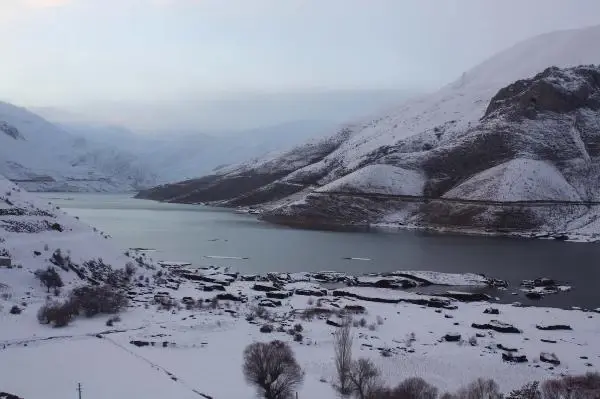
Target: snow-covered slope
x=486 y=137
x=31 y=231
x=43 y=157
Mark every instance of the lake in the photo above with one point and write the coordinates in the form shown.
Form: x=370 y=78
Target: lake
x=195 y=233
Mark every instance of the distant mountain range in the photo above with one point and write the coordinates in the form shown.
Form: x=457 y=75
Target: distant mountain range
x=510 y=130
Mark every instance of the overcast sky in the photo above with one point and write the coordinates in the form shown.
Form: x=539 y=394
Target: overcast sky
x=72 y=52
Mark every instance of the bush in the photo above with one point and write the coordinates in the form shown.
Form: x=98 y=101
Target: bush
x=273 y=369
x=266 y=328
x=298 y=327
x=363 y=322
x=56 y=313
x=110 y=322
x=49 y=278
x=130 y=269
x=529 y=391
x=298 y=337
x=93 y=300
x=15 y=310
x=415 y=388
x=380 y=320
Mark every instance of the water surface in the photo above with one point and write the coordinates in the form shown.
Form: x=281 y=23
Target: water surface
x=192 y=232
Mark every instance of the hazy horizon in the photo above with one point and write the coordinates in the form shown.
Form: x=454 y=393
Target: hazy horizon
x=214 y=64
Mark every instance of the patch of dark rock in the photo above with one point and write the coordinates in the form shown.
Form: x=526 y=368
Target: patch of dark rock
x=583 y=357
x=140 y=344
x=309 y=292
x=448 y=316
x=498 y=326
x=430 y=302
x=509 y=357
x=37 y=253
x=491 y=311
x=504 y=348
x=335 y=322
x=355 y=308
x=589 y=365
x=549 y=358
x=250 y=277
x=269 y=303
x=480 y=335
x=451 y=337
x=548 y=341
x=264 y=287
x=497 y=283
x=390 y=283
x=278 y=294
x=467 y=296
x=188 y=300
x=533 y=295
x=4 y=395
x=230 y=297
x=553 y=327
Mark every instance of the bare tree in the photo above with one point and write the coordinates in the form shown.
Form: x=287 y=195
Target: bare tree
x=573 y=387
x=343 y=357
x=49 y=278
x=481 y=389
x=273 y=369
x=415 y=388
x=364 y=378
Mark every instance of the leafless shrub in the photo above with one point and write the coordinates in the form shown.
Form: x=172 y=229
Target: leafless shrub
x=298 y=327
x=372 y=327
x=310 y=301
x=273 y=369
x=473 y=341
x=311 y=313
x=379 y=320
x=298 y=337
x=343 y=358
x=364 y=378
x=355 y=323
x=573 y=387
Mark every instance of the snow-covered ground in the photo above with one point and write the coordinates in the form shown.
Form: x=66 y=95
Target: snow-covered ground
x=197 y=352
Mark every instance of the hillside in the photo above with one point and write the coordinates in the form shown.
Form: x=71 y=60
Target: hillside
x=185 y=328
x=508 y=130
x=43 y=157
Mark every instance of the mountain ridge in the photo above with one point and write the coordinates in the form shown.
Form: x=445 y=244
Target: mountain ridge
x=441 y=141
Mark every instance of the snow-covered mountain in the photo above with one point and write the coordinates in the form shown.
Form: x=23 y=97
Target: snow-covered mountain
x=173 y=155
x=489 y=137
x=43 y=157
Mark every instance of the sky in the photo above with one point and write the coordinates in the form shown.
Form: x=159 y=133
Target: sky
x=104 y=55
